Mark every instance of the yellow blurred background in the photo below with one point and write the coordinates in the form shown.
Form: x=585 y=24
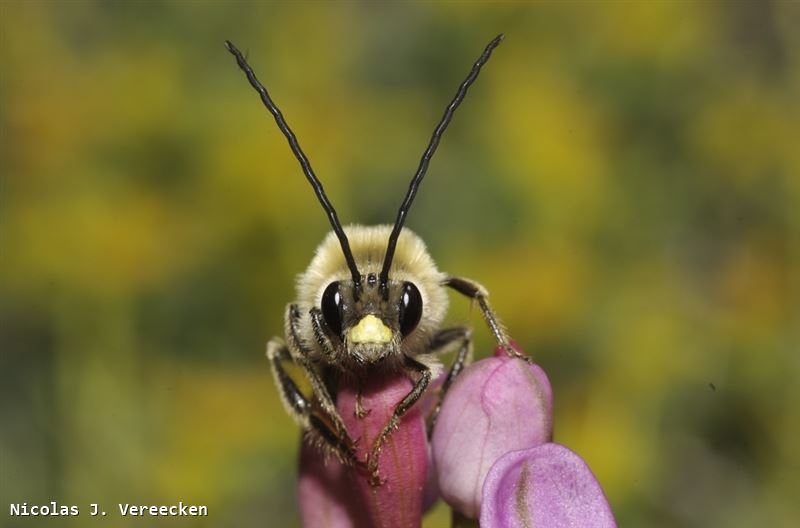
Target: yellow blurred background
x=624 y=178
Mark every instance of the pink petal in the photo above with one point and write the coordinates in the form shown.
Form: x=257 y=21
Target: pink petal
x=430 y=495
x=426 y=404
x=496 y=405
x=547 y=485
x=327 y=498
x=403 y=461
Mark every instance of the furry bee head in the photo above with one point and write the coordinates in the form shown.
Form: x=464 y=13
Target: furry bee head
x=370 y=326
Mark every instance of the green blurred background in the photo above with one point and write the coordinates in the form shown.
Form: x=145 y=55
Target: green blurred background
x=624 y=178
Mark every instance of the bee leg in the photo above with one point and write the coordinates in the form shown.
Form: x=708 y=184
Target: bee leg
x=317 y=323
x=405 y=404
x=442 y=340
x=303 y=357
x=320 y=425
x=359 y=411
x=473 y=290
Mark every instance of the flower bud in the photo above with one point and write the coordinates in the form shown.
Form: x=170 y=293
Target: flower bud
x=337 y=496
x=327 y=498
x=403 y=459
x=496 y=405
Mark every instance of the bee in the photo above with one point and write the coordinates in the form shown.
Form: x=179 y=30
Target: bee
x=372 y=299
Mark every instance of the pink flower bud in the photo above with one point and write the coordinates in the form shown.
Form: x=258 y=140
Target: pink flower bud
x=327 y=497
x=496 y=405
x=547 y=485
x=344 y=493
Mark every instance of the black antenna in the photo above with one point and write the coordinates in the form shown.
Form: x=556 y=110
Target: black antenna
x=301 y=157
x=426 y=158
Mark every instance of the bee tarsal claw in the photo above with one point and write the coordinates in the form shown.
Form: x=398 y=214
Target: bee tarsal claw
x=375 y=479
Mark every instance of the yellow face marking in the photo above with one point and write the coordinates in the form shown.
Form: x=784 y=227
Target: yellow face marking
x=370 y=329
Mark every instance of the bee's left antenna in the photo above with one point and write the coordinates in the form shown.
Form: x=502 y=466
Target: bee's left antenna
x=304 y=163
x=426 y=158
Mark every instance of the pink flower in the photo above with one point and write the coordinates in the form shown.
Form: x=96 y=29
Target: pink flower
x=494 y=458
x=496 y=405
x=546 y=485
x=327 y=497
x=337 y=496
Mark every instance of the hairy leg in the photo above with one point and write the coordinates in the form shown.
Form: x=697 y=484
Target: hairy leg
x=473 y=290
x=405 y=404
x=441 y=341
x=318 y=423
x=302 y=356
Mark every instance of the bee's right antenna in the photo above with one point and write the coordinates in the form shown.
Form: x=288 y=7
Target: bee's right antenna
x=426 y=158
x=301 y=157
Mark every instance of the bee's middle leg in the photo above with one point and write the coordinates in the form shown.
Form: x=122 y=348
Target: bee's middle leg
x=441 y=341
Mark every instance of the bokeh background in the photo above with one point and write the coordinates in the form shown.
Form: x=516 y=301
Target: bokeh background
x=624 y=178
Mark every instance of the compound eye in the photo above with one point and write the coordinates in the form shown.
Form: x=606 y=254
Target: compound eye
x=332 y=308
x=410 y=308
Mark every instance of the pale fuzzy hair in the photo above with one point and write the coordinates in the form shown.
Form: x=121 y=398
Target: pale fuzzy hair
x=368 y=243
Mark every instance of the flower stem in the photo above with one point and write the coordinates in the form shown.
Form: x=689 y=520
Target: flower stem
x=460 y=521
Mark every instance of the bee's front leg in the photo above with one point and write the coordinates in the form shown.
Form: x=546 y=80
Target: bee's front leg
x=302 y=355
x=405 y=404
x=321 y=425
x=440 y=342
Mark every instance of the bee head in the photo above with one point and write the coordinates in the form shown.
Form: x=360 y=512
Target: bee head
x=372 y=323
x=367 y=323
